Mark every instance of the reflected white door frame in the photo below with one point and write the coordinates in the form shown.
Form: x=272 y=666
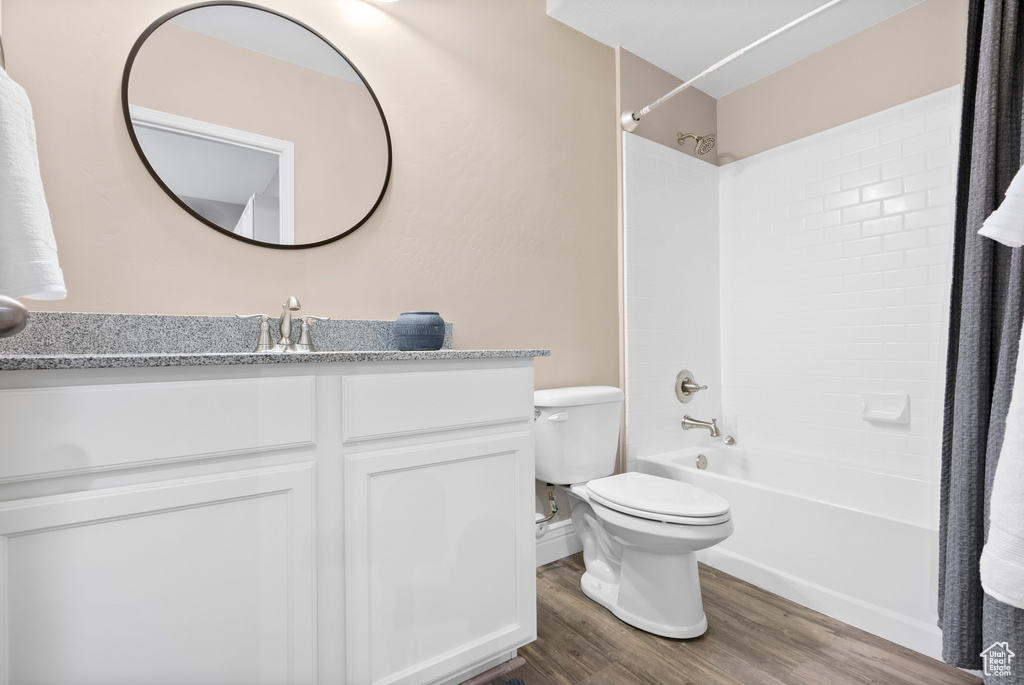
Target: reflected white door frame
x=157 y=120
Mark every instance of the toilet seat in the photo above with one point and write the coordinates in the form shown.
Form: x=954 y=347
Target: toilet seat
x=659 y=499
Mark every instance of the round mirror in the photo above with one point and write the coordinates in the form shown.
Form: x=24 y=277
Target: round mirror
x=256 y=125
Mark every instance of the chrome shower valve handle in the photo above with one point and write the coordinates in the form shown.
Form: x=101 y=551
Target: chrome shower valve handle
x=686 y=387
x=689 y=387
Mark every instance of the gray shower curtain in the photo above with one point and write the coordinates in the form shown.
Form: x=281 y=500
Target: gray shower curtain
x=986 y=312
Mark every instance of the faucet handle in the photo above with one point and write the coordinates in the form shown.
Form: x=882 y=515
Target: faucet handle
x=686 y=387
x=690 y=387
x=305 y=343
x=264 y=343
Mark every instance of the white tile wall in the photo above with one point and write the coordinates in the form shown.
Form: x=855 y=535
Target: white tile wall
x=672 y=293
x=835 y=263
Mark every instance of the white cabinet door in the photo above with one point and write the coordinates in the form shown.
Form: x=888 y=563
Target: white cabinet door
x=439 y=557
x=203 y=580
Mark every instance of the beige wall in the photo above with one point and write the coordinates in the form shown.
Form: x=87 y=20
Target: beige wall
x=340 y=145
x=916 y=52
x=501 y=212
x=692 y=111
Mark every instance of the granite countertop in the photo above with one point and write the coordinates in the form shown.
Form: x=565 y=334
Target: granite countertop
x=108 y=341
x=115 y=361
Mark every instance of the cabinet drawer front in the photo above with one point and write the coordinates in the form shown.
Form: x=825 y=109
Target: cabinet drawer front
x=382 y=405
x=85 y=428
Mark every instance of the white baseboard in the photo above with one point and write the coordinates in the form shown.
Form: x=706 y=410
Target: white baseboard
x=904 y=630
x=559 y=541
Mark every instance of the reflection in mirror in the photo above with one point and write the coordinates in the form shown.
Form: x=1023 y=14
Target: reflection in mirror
x=256 y=125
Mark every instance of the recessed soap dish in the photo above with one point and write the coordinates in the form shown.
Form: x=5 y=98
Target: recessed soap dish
x=880 y=407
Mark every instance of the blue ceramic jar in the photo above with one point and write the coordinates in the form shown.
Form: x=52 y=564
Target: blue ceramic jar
x=419 y=331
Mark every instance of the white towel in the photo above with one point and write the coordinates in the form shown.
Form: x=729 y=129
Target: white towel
x=1006 y=224
x=28 y=252
x=1002 y=560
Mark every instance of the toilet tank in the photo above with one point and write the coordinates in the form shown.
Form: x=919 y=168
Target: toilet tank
x=577 y=433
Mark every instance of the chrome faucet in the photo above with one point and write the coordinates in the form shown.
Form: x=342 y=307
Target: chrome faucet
x=284 y=326
x=293 y=338
x=690 y=422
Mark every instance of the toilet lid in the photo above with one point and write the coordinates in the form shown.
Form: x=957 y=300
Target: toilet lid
x=643 y=492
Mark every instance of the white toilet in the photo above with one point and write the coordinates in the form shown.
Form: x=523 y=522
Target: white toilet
x=639 y=532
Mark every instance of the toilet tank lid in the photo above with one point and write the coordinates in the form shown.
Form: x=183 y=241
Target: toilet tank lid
x=578 y=396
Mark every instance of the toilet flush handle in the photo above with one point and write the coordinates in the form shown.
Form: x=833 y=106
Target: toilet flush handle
x=559 y=417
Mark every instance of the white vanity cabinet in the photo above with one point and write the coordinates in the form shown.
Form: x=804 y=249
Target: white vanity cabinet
x=361 y=523
x=439 y=511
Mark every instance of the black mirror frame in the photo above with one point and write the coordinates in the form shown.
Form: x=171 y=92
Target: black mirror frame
x=152 y=172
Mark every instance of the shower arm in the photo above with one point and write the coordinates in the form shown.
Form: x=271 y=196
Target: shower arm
x=629 y=120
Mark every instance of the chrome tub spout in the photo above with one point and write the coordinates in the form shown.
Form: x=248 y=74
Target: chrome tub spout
x=689 y=422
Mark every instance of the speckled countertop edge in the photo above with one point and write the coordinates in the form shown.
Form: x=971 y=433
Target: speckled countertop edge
x=75 y=333
x=114 y=361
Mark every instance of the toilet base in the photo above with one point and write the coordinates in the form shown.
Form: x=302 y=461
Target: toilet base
x=607 y=595
x=644 y=571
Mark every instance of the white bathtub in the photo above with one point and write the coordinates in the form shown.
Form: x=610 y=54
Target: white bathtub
x=861 y=547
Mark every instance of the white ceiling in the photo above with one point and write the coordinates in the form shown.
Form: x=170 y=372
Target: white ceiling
x=269 y=34
x=685 y=37
x=207 y=169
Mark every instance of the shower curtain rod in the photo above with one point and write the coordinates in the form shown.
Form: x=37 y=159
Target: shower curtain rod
x=629 y=120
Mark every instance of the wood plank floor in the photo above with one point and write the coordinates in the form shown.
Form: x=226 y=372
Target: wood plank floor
x=754 y=637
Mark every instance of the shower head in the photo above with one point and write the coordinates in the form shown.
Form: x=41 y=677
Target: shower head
x=704 y=144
